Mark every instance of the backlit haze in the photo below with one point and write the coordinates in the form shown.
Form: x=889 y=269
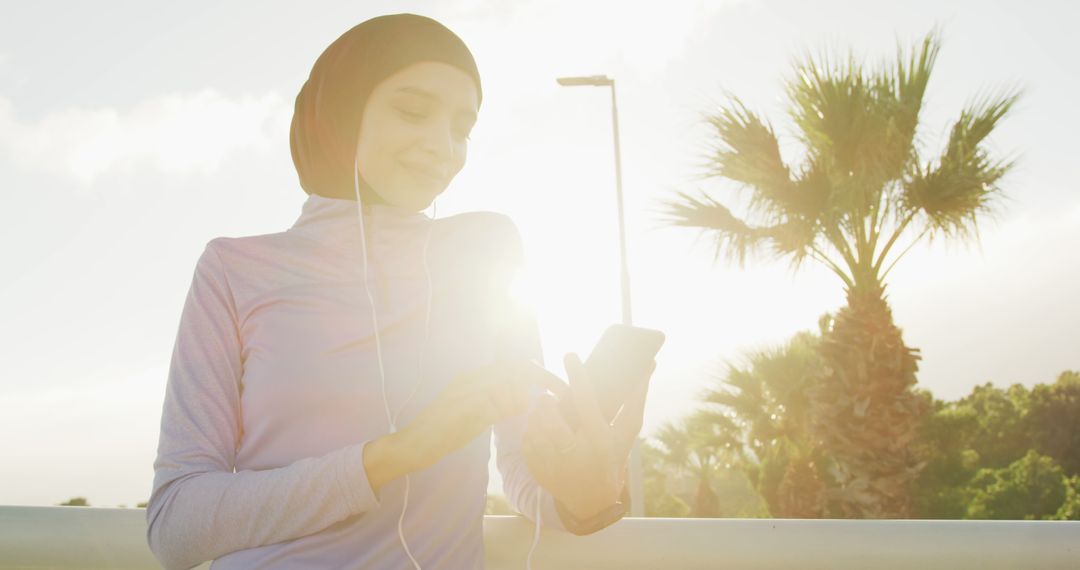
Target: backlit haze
x=132 y=133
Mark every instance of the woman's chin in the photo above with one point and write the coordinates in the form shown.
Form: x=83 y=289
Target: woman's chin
x=417 y=198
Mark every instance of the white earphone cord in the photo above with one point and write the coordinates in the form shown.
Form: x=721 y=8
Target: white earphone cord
x=536 y=532
x=391 y=419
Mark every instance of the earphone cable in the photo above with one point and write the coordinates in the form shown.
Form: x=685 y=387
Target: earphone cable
x=391 y=419
x=378 y=350
x=536 y=531
x=427 y=315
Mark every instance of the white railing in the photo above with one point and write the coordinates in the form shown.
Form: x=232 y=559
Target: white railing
x=92 y=537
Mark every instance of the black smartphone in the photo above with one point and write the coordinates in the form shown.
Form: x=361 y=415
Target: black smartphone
x=620 y=362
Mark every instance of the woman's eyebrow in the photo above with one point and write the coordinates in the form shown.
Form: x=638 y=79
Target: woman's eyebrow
x=468 y=113
x=417 y=91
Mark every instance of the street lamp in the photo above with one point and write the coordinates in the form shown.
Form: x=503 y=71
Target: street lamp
x=637 y=493
x=605 y=81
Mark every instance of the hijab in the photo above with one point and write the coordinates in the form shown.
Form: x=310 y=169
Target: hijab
x=330 y=105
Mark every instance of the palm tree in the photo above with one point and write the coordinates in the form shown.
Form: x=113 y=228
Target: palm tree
x=770 y=396
x=862 y=184
x=698 y=446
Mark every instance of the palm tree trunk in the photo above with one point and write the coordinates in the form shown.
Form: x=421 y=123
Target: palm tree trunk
x=801 y=494
x=866 y=414
x=706 y=504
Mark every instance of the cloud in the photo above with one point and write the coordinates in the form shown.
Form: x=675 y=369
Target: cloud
x=181 y=133
x=589 y=34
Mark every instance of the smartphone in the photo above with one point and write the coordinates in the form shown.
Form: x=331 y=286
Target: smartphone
x=620 y=362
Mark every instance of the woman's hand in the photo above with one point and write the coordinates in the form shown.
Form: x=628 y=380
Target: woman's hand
x=583 y=470
x=473 y=401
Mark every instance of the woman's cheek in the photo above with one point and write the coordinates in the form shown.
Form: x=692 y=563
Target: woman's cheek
x=461 y=152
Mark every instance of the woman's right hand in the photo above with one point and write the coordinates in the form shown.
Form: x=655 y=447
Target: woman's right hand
x=473 y=401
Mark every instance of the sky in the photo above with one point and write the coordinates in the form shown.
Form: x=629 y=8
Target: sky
x=131 y=134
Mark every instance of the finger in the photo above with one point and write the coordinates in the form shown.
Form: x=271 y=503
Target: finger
x=581 y=388
x=539 y=376
x=554 y=426
x=540 y=446
x=533 y=422
x=539 y=421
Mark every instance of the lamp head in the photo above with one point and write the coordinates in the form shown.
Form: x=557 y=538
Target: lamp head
x=593 y=80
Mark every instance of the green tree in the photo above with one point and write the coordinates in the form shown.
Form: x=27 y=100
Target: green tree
x=862 y=184
x=1053 y=420
x=975 y=449
x=1031 y=488
x=1000 y=437
x=1070 y=508
x=944 y=445
x=75 y=502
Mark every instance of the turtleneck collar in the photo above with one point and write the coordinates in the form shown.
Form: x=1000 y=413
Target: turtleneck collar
x=338 y=217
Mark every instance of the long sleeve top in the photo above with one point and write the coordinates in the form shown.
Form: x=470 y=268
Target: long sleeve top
x=274 y=390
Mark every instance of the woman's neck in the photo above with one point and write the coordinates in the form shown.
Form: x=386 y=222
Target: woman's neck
x=368 y=196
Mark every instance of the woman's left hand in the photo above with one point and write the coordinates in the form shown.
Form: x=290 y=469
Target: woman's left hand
x=583 y=470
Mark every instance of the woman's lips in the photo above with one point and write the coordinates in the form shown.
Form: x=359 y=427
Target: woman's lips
x=430 y=173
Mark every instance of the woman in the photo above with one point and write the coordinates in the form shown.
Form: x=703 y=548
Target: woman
x=334 y=387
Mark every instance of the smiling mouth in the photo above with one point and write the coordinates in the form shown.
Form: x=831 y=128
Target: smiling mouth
x=425 y=173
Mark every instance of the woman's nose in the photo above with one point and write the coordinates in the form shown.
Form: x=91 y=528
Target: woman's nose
x=439 y=142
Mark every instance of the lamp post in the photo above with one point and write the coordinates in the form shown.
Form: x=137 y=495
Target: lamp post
x=637 y=493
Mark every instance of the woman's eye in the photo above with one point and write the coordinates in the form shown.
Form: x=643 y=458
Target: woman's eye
x=411 y=114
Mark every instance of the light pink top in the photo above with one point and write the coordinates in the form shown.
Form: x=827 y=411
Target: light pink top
x=274 y=389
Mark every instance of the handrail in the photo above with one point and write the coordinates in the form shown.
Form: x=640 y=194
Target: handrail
x=94 y=537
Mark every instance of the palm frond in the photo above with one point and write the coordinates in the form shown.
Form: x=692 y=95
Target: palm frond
x=711 y=432
x=911 y=79
x=978 y=120
x=814 y=189
x=747 y=151
x=734 y=237
x=859 y=126
x=829 y=105
x=795 y=238
x=675 y=443
x=964 y=180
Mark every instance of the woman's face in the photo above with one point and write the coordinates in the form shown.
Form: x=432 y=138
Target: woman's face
x=414 y=133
